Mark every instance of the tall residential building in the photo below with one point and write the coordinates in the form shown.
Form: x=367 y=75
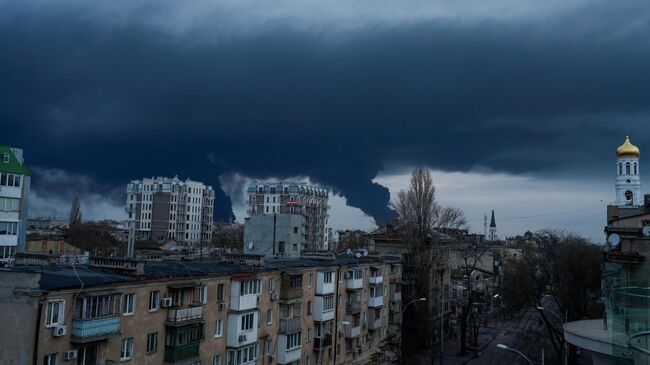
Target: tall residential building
x=306 y=201
x=14 y=191
x=163 y=208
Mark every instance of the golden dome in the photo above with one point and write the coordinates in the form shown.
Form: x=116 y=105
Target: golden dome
x=627 y=149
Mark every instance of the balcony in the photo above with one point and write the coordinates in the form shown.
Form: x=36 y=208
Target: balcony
x=87 y=330
x=375 y=302
x=376 y=280
x=353 y=307
x=322 y=343
x=180 y=316
x=354 y=284
x=351 y=332
x=236 y=337
x=396 y=296
x=290 y=293
x=290 y=325
x=321 y=314
x=244 y=302
x=183 y=352
x=374 y=324
x=288 y=356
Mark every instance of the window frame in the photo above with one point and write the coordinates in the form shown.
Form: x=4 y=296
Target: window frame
x=60 y=315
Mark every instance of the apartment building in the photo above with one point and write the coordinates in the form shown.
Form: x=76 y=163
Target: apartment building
x=163 y=209
x=14 y=192
x=308 y=311
x=268 y=201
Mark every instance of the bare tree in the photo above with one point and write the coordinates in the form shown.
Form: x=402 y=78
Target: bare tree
x=419 y=216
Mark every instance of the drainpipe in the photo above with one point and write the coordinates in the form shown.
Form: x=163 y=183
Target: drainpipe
x=38 y=330
x=336 y=311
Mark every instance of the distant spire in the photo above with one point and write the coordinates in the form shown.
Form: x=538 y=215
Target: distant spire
x=492 y=222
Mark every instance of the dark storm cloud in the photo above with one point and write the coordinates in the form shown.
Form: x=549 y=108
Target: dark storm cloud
x=122 y=99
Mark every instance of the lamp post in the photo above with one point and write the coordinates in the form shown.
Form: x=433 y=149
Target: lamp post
x=401 y=315
x=565 y=359
x=504 y=347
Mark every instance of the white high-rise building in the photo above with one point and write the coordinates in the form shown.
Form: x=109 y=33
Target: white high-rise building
x=163 y=209
x=14 y=191
x=307 y=201
x=628 y=175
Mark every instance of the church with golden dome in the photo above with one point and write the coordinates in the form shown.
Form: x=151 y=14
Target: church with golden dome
x=628 y=180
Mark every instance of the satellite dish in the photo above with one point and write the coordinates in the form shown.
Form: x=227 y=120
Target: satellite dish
x=358 y=255
x=250 y=245
x=364 y=252
x=614 y=239
x=349 y=252
x=646 y=231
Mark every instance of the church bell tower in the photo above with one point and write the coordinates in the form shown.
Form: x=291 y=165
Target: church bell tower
x=628 y=180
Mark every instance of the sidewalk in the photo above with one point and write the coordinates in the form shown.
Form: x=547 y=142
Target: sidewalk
x=452 y=347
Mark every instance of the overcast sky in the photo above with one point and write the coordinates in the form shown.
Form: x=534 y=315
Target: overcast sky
x=515 y=106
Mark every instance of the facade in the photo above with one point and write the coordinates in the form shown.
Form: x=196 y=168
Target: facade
x=290 y=198
x=279 y=235
x=169 y=209
x=308 y=311
x=14 y=194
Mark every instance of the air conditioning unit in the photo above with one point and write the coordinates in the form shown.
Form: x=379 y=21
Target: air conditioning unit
x=166 y=302
x=274 y=296
x=242 y=338
x=221 y=306
x=270 y=359
x=70 y=355
x=59 y=330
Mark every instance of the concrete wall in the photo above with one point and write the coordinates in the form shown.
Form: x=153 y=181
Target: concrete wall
x=259 y=230
x=19 y=302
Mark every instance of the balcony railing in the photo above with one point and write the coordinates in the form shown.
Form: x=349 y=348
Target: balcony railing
x=351 y=332
x=374 y=324
x=290 y=325
x=355 y=284
x=396 y=296
x=290 y=293
x=375 y=302
x=84 y=330
x=353 y=307
x=376 y=280
x=178 y=353
x=184 y=315
x=323 y=342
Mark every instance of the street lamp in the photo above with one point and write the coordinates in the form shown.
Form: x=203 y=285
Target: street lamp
x=401 y=315
x=504 y=347
x=566 y=315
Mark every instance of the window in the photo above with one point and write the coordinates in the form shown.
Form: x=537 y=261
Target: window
x=54 y=313
x=308 y=335
x=249 y=287
x=217 y=360
x=271 y=285
x=308 y=360
x=338 y=350
x=269 y=316
x=218 y=328
x=328 y=303
x=152 y=342
x=295 y=229
x=154 y=300
x=128 y=304
x=309 y=280
x=627 y=168
x=309 y=307
x=9 y=228
x=126 y=350
x=296 y=281
x=9 y=204
x=635 y=169
x=340 y=300
x=327 y=277
x=5 y=157
x=242 y=356
x=203 y=294
x=269 y=347
x=247 y=321
x=293 y=340
x=220 y=293
x=51 y=359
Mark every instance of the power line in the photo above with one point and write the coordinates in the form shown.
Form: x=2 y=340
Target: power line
x=545 y=214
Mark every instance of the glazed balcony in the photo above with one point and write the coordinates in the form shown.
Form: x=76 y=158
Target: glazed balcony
x=87 y=330
x=180 y=316
x=290 y=325
x=181 y=352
